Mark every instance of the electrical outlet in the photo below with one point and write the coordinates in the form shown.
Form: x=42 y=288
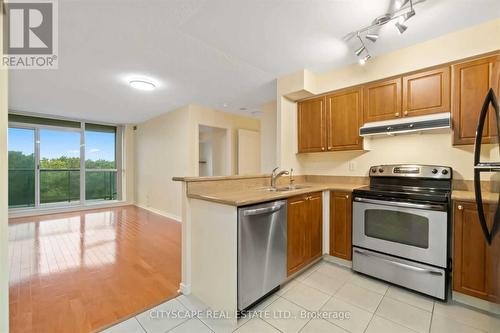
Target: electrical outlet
x=352 y=166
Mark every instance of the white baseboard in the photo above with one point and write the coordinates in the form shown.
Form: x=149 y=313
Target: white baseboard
x=162 y=213
x=68 y=209
x=185 y=288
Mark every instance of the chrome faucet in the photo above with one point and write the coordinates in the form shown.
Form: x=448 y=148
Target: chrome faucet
x=274 y=177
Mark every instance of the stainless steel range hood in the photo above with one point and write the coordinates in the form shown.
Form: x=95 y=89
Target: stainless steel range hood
x=407 y=125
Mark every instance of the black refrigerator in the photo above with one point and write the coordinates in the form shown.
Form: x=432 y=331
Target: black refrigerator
x=487 y=169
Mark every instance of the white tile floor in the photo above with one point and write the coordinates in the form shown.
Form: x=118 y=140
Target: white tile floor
x=325 y=288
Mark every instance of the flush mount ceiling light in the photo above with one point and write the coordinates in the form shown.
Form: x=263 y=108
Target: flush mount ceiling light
x=142 y=85
x=402 y=13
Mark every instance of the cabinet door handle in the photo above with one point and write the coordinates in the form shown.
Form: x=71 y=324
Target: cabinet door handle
x=347 y=197
x=460 y=207
x=322 y=148
x=330 y=148
x=397 y=114
x=406 y=113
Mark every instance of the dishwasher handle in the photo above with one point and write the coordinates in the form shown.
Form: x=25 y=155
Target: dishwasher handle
x=265 y=210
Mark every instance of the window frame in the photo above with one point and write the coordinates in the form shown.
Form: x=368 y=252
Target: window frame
x=83 y=201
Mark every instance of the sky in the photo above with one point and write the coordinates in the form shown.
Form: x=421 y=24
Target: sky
x=54 y=144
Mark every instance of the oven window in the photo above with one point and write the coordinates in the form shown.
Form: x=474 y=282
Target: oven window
x=399 y=227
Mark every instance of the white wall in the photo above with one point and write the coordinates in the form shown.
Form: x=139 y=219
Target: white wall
x=128 y=168
x=161 y=153
x=4 y=277
x=248 y=152
x=168 y=146
x=268 y=132
x=199 y=115
x=416 y=148
x=221 y=163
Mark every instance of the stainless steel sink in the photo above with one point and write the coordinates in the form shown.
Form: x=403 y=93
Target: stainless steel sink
x=286 y=188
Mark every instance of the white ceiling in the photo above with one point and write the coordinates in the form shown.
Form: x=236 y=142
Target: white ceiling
x=210 y=52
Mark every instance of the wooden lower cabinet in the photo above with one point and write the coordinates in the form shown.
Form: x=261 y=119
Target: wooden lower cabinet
x=305 y=231
x=341 y=225
x=475 y=263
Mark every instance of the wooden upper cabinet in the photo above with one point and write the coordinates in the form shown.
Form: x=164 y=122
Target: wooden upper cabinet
x=470 y=83
x=311 y=125
x=475 y=262
x=495 y=84
x=426 y=92
x=382 y=100
x=344 y=117
x=341 y=225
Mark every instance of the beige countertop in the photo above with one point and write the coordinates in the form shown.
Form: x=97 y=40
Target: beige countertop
x=460 y=195
x=258 y=195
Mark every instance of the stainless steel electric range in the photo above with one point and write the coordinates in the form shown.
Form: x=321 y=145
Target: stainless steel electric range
x=401 y=227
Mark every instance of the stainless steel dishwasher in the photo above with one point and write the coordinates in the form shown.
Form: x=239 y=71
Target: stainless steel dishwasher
x=262 y=250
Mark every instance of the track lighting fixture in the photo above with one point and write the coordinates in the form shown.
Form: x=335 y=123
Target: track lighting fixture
x=402 y=13
x=360 y=50
x=363 y=60
x=401 y=27
x=400 y=3
x=408 y=15
x=372 y=37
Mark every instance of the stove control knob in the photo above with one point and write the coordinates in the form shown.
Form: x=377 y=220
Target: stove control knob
x=374 y=170
x=434 y=171
x=380 y=170
x=444 y=172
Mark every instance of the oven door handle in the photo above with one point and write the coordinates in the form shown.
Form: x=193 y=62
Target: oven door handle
x=400 y=264
x=402 y=204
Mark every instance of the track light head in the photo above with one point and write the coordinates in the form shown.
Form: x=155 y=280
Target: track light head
x=401 y=27
x=363 y=61
x=400 y=3
x=360 y=50
x=409 y=15
x=372 y=37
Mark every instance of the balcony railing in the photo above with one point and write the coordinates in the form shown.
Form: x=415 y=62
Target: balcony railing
x=59 y=186
x=21 y=188
x=100 y=184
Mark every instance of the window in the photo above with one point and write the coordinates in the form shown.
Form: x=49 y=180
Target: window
x=60 y=162
x=21 y=167
x=59 y=166
x=100 y=162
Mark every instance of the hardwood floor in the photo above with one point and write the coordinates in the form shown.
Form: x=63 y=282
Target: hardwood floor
x=78 y=272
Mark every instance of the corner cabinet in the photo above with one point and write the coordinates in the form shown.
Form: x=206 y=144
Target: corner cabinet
x=471 y=81
x=331 y=123
x=341 y=225
x=305 y=230
x=476 y=268
x=344 y=117
x=311 y=125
